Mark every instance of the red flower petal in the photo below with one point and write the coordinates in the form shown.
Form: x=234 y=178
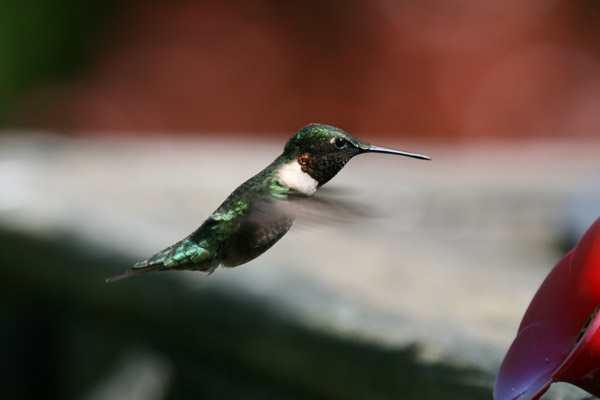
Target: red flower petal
x=558 y=339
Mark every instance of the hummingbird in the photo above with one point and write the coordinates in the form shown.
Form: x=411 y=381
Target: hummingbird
x=254 y=217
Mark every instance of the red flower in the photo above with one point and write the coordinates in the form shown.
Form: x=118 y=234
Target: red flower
x=559 y=339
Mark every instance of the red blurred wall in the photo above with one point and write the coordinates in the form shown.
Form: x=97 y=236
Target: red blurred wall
x=423 y=69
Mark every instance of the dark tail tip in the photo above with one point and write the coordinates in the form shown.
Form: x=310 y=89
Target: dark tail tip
x=133 y=272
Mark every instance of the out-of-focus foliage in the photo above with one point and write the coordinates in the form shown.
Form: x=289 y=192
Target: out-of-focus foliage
x=45 y=40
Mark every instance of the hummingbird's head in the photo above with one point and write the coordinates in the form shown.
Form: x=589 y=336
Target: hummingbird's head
x=323 y=150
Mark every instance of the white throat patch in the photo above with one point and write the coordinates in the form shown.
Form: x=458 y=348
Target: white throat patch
x=292 y=176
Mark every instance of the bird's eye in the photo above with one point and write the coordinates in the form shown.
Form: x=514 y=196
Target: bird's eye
x=339 y=142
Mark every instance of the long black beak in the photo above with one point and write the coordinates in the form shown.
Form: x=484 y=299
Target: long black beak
x=376 y=149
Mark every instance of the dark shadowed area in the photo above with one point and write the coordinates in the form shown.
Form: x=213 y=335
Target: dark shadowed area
x=208 y=344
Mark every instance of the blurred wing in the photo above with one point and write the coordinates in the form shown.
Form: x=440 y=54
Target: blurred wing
x=328 y=207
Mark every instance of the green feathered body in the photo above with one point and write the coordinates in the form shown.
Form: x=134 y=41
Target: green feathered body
x=244 y=226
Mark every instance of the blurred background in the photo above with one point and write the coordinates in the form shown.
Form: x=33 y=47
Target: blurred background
x=124 y=124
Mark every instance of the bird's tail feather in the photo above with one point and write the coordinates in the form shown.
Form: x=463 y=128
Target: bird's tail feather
x=133 y=272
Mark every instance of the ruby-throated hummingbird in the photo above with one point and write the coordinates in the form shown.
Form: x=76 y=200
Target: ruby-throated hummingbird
x=253 y=217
